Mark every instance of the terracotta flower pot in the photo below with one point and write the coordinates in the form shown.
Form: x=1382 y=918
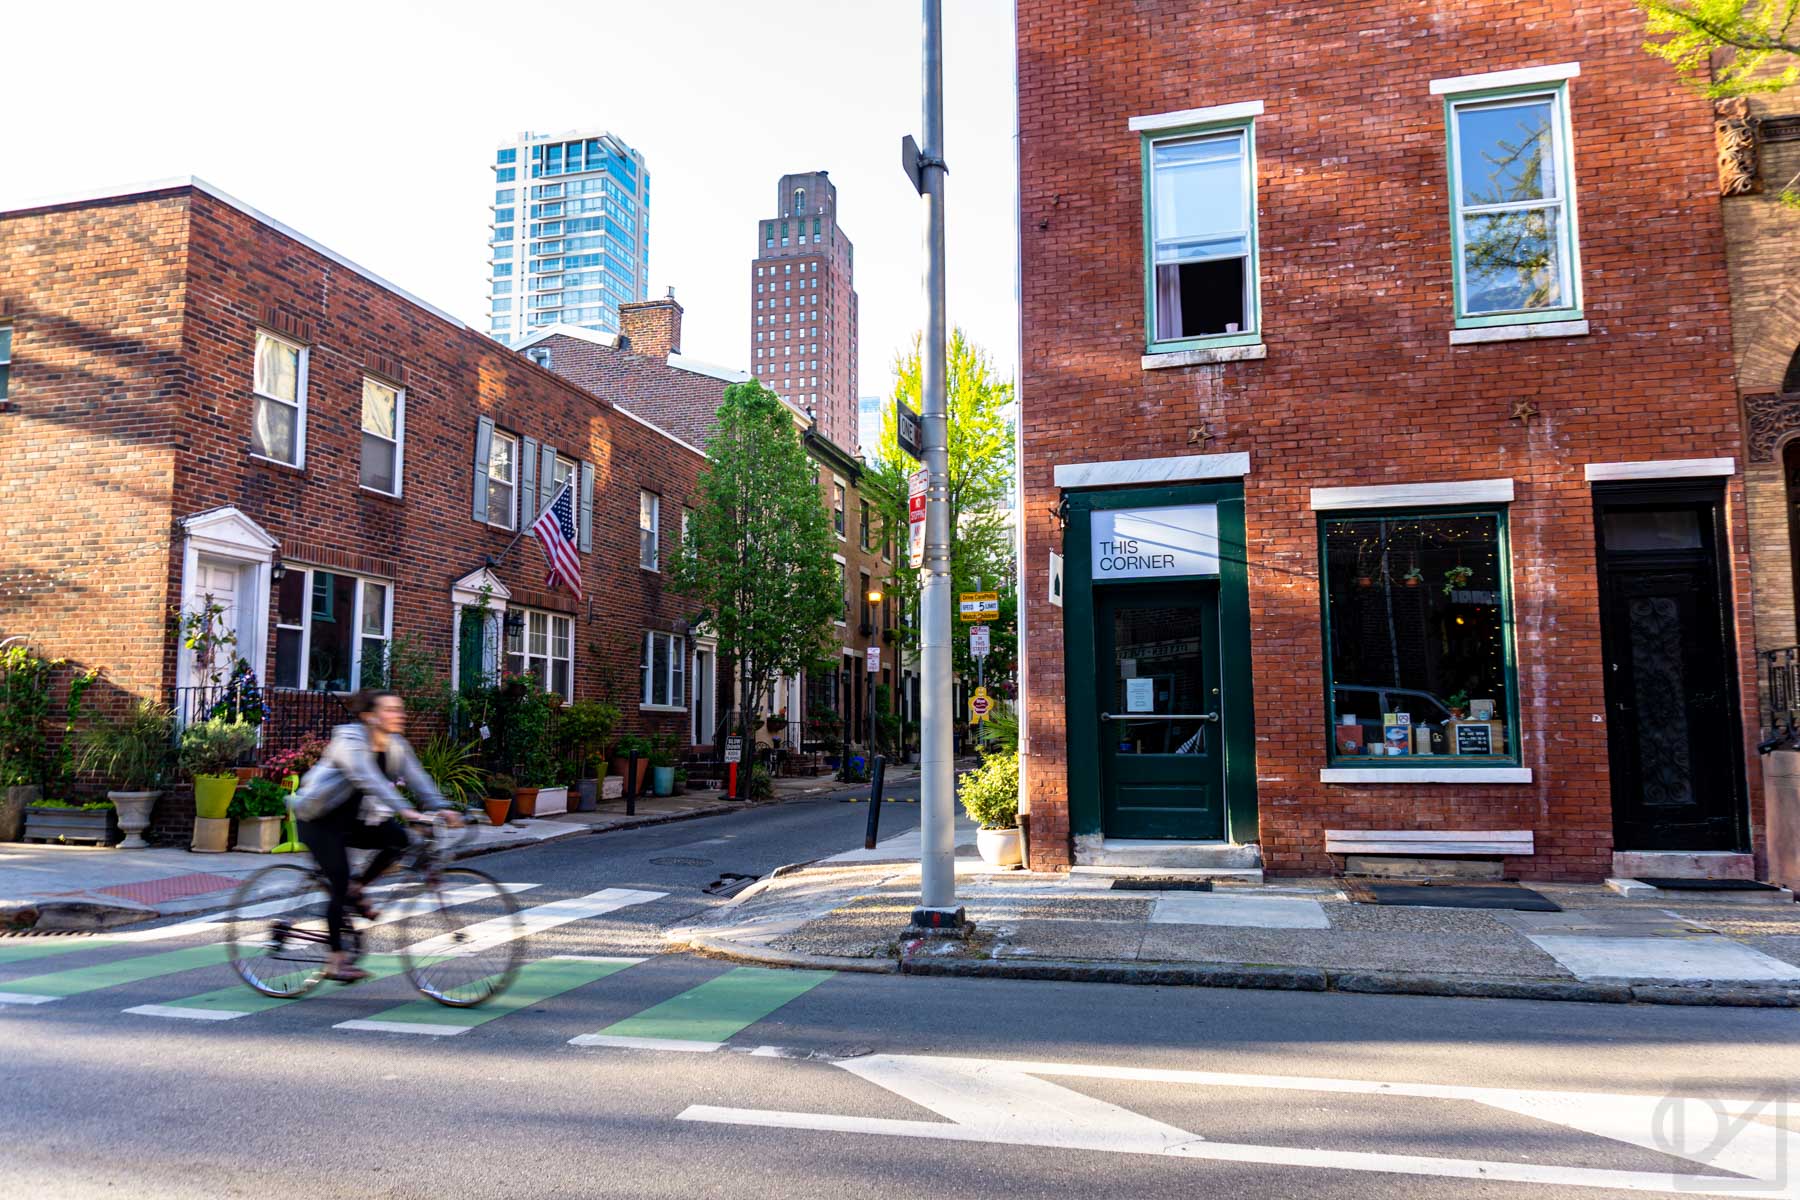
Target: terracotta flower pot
x=497 y=809
x=525 y=802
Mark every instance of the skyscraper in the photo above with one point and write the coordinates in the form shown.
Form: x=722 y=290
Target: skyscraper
x=868 y=426
x=803 y=305
x=570 y=236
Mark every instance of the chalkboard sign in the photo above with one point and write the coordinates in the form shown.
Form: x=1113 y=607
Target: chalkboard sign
x=1475 y=737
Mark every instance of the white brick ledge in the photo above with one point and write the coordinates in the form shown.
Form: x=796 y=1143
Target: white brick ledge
x=1181 y=469
x=1518 y=333
x=1661 y=468
x=1196 y=116
x=1520 y=77
x=1407 y=495
x=1203 y=357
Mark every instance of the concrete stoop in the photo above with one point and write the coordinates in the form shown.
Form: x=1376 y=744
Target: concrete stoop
x=1682 y=864
x=1123 y=857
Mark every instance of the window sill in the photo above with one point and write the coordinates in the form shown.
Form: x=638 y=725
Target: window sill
x=1206 y=356
x=1424 y=774
x=499 y=526
x=276 y=462
x=1518 y=333
x=393 y=497
x=662 y=708
x=649 y=570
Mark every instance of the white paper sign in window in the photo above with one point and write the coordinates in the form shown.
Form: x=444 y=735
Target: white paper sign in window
x=1156 y=543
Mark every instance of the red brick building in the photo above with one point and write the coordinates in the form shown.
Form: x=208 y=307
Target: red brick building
x=205 y=402
x=1377 y=400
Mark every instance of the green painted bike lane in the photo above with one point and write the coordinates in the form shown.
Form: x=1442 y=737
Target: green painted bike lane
x=58 y=985
x=706 y=1017
x=536 y=982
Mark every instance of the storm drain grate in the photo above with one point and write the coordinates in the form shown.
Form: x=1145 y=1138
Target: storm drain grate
x=1162 y=885
x=677 y=860
x=728 y=884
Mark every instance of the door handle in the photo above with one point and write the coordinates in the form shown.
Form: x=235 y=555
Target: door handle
x=1211 y=716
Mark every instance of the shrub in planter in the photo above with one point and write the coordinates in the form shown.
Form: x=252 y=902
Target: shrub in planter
x=258 y=809
x=210 y=750
x=990 y=795
x=762 y=787
x=131 y=756
x=453 y=768
x=65 y=821
x=622 y=749
x=297 y=761
x=499 y=798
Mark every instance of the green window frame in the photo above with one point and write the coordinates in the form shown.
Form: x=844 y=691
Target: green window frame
x=1384 y=573
x=1510 y=217
x=1215 y=132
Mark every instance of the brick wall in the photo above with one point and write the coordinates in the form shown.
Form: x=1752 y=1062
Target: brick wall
x=1360 y=385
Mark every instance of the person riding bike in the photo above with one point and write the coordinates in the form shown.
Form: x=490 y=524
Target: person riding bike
x=348 y=800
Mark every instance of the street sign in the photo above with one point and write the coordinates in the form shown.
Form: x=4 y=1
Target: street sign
x=979 y=642
x=734 y=749
x=980 y=705
x=874 y=659
x=908 y=429
x=916 y=484
x=980 y=606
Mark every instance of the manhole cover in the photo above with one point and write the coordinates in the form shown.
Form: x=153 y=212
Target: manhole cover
x=681 y=861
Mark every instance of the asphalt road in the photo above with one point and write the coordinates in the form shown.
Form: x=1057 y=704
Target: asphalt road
x=850 y=1085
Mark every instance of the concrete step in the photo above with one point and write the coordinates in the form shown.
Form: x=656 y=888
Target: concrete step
x=1234 y=874
x=1682 y=864
x=1637 y=889
x=1145 y=853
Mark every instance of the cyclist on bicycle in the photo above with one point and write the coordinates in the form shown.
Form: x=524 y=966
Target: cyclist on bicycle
x=349 y=800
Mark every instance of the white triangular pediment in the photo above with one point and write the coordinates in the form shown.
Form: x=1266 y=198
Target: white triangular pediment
x=227 y=529
x=470 y=588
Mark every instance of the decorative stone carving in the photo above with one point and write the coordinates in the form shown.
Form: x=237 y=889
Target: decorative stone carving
x=1734 y=131
x=1768 y=421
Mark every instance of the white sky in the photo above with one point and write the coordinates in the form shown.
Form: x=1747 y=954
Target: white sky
x=371 y=127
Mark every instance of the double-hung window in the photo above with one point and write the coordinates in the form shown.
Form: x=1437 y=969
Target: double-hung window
x=278 y=430
x=838 y=491
x=649 y=519
x=5 y=360
x=1512 y=204
x=1419 y=638
x=331 y=631
x=660 y=671
x=383 y=427
x=543 y=644
x=503 y=480
x=1201 y=288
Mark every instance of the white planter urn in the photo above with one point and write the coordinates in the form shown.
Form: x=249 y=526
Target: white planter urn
x=134 y=816
x=1000 y=847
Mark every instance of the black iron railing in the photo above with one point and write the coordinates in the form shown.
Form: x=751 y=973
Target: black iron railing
x=290 y=718
x=1781 y=698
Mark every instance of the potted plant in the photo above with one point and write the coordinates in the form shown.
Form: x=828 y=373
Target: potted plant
x=67 y=821
x=1457 y=577
x=583 y=730
x=258 y=808
x=622 y=749
x=1413 y=577
x=499 y=798
x=662 y=764
x=452 y=766
x=1458 y=704
x=131 y=756
x=209 y=750
x=990 y=795
x=297 y=761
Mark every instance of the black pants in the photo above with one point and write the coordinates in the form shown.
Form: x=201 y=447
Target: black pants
x=331 y=837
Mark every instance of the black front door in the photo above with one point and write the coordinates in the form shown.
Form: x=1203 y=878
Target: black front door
x=1162 y=758
x=1671 y=690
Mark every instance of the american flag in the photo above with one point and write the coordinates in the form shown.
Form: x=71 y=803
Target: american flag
x=555 y=529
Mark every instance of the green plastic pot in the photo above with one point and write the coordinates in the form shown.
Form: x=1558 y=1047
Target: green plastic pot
x=662 y=780
x=212 y=795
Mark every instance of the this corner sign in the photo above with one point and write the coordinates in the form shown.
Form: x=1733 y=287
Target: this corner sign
x=1155 y=543
x=908 y=430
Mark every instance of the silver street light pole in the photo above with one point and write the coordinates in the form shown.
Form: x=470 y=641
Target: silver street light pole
x=937 y=769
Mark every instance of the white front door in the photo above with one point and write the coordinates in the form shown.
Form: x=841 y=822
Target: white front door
x=220 y=582
x=703 y=683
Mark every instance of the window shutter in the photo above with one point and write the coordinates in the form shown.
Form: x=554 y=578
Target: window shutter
x=528 y=461
x=484 y=446
x=586 y=519
x=547 y=477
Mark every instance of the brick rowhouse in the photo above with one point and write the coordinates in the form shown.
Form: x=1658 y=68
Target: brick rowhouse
x=1581 y=429
x=134 y=489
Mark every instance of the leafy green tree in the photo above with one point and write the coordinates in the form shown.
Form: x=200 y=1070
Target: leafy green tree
x=1730 y=48
x=982 y=446
x=758 y=552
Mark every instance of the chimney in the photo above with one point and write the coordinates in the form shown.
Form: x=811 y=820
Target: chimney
x=652 y=328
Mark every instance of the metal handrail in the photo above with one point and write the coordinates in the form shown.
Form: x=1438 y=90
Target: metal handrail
x=1211 y=716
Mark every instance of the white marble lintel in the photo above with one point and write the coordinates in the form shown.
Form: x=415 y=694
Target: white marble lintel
x=1407 y=495
x=1180 y=469
x=1661 y=468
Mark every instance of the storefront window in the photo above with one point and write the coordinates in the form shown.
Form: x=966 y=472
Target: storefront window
x=1419 y=638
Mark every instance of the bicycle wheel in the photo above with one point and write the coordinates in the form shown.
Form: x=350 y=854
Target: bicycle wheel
x=472 y=937
x=275 y=930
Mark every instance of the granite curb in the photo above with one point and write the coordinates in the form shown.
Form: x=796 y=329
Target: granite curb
x=767 y=957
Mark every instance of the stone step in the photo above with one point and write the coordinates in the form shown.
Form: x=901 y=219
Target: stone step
x=1682 y=864
x=1146 y=853
x=1637 y=889
x=1222 y=874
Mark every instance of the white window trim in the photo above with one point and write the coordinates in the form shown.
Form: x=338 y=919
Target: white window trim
x=655 y=531
x=512 y=515
x=301 y=363
x=356 y=618
x=1424 y=775
x=1196 y=116
x=525 y=654
x=1519 y=77
x=677 y=647
x=1409 y=495
x=1665 y=468
x=399 y=439
x=1179 y=469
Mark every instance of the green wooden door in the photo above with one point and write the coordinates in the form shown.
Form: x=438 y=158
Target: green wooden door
x=1162 y=755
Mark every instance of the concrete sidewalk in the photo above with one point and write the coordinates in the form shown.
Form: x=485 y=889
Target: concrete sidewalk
x=849 y=912
x=51 y=887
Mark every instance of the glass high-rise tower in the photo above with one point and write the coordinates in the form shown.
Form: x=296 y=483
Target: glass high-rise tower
x=569 y=238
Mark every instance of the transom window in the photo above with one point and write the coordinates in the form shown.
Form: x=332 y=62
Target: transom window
x=543 y=645
x=660 y=672
x=1513 y=223
x=1419 y=650
x=278 y=430
x=331 y=631
x=382 y=422
x=503 y=480
x=1202 y=237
